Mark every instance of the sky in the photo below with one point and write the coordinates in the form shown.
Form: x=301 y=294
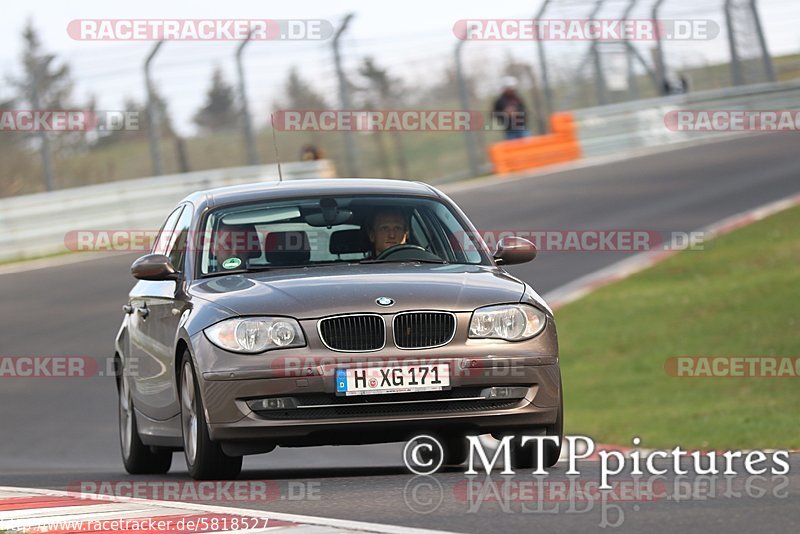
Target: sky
x=414 y=38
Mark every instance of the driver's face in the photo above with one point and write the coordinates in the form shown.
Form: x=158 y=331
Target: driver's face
x=388 y=230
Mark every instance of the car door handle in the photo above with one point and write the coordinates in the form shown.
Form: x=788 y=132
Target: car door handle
x=127 y=308
x=143 y=312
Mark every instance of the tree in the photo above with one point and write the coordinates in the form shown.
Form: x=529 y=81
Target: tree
x=383 y=91
x=219 y=112
x=15 y=158
x=44 y=84
x=140 y=110
x=300 y=95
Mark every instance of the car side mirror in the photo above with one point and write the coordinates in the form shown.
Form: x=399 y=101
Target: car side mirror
x=514 y=250
x=154 y=267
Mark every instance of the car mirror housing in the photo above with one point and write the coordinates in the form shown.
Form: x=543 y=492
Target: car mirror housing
x=514 y=250
x=154 y=267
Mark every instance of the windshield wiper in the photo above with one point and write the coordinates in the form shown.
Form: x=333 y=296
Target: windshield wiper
x=275 y=267
x=438 y=262
x=236 y=271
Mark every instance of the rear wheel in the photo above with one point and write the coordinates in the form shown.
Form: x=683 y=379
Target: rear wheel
x=204 y=457
x=138 y=458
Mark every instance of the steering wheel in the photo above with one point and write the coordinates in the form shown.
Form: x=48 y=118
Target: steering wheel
x=403 y=247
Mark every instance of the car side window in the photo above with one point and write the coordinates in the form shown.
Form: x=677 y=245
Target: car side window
x=177 y=246
x=165 y=234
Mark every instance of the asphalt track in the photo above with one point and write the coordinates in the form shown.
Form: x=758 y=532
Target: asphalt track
x=55 y=432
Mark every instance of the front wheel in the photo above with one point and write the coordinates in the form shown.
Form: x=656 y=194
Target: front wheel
x=526 y=457
x=204 y=457
x=456 y=450
x=138 y=458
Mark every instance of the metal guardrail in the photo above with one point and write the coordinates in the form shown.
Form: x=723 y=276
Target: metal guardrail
x=36 y=225
x=640 y=124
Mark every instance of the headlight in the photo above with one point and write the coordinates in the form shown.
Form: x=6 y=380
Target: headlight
x=256 y=334
x=512 y=322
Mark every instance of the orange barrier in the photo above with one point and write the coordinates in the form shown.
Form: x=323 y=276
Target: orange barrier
x=530 y=152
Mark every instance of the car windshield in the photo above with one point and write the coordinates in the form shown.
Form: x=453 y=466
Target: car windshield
x=343 y=229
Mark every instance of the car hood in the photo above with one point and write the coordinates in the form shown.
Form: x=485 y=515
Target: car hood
x=329 y=290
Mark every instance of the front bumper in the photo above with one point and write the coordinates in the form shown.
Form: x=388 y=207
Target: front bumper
x=227 y=381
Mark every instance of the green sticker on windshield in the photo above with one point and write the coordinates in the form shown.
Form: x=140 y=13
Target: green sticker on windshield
x=231 y=263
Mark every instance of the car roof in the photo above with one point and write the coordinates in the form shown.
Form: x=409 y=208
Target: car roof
x=313 y=187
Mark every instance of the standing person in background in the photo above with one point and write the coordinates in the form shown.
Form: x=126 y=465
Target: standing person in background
x=509 y=110
x=310 y=152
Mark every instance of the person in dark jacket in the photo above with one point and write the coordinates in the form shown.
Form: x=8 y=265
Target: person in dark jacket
x=509 y=111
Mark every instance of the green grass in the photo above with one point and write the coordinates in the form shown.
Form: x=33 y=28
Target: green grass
x=738 y=297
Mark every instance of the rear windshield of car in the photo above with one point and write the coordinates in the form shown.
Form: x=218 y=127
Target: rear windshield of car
x=318 y=231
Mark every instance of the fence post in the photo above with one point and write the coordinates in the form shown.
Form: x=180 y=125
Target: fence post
x=546 y=89
x=247 y=126
x=599 y=75
x=351 y=151
x=44 y=148
x=769 y=68
x=463 y=98
x=153 y=115
x=661 y=67
x=736 y=67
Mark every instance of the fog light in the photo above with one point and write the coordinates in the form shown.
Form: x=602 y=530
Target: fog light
x=511 y=392
x=275 y=403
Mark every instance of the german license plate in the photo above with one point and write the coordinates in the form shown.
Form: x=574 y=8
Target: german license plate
x=394 y=379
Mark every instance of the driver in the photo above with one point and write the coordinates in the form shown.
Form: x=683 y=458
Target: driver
x=388 y=229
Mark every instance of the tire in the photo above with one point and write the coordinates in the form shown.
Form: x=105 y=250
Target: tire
x=525 y=457
x=138 y=458
x=455 y=450
x=204 y=457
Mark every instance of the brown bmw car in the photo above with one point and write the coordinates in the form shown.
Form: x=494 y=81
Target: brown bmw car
x=321 y=312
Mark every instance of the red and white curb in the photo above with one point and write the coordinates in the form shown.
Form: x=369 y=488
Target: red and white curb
x=43 y=511
x=639 y=262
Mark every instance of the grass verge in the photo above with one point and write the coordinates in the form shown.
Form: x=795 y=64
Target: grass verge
x=738 y=297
